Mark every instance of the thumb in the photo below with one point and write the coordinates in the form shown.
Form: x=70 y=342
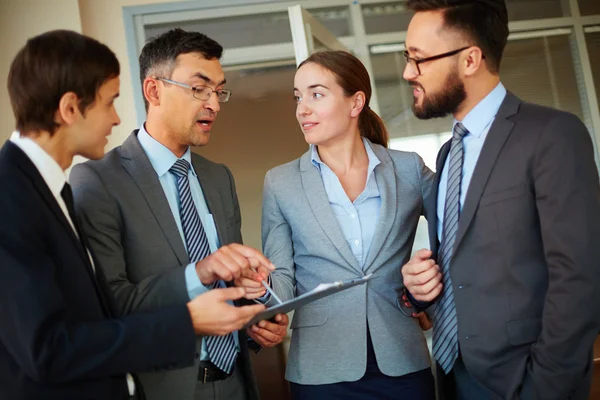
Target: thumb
x=232 y=293
x=247 y=312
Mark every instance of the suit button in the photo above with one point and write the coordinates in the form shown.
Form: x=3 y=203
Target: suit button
x=467 y=337
x=461 y=287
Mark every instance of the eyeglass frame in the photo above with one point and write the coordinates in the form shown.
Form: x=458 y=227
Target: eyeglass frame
x=416 y=61
x=195 y=89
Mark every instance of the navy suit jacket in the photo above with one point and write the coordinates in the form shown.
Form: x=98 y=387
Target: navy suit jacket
x=58 y=337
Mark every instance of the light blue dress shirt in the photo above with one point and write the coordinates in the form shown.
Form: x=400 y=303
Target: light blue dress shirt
x=162 y=159
x=478 y=122
x=357 y=219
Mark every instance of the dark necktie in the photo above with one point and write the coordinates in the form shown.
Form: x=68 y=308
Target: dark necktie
x=221 y=350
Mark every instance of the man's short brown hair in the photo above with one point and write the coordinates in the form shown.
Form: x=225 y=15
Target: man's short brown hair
x=50 y=65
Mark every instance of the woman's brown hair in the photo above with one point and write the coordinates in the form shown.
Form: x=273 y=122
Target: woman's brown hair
x=353 y=77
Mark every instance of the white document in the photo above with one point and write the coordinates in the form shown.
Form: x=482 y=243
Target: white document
x=322 y=290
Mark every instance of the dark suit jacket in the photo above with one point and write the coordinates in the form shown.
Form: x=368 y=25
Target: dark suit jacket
x=132 y=230
x=526 y=264
x=57 y=337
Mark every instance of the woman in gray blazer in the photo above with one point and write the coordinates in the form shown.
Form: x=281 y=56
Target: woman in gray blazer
x=347 y=208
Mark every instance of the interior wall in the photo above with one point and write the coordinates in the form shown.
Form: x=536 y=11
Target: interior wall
x=251 y=136
x=20 y=20
x=103 y=20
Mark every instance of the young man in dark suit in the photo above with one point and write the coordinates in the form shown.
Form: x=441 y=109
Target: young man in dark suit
x=59 y=337
x=515 y=228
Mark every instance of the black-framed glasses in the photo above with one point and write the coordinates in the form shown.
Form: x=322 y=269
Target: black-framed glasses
x=414 y=62
x=201 y=92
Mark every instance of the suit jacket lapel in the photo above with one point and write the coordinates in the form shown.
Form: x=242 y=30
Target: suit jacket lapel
x=499 y=132
x=44 y=191
x=385 y=174
x=212 y=197
x=319 y=203
x=433 y=199
x=137 y=164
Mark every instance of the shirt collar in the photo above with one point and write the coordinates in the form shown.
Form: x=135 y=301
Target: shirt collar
x=49 y=169
x=161 y=158
x=484 y=112
x=373 y=159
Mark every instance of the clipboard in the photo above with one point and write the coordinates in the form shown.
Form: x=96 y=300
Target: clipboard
x=322 y=290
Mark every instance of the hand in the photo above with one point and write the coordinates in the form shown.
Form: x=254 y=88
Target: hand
x=424 y=321
x=230 y=261
x=422 y=276
x=213 y=316
x=254 y=288
x=269 y=334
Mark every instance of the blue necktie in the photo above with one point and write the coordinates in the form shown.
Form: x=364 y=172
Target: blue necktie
x=221 y=350
x=445 y=331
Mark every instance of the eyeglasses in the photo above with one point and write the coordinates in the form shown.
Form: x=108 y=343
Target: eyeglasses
x=201 y=92
x=414 y=62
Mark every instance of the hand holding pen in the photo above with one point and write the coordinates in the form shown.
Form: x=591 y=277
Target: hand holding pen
x=255 y=279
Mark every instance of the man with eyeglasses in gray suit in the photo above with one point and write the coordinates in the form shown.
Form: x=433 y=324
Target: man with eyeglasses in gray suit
x=166 y=223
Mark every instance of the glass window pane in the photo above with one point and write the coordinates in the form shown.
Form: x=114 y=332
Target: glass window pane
x=541 y=71
x=519 y=10
x=386 y=17
x=395 y=17
x=538 y=70
x=335 y=19
x=589 y=7
x=593 y=45
x=232 y=32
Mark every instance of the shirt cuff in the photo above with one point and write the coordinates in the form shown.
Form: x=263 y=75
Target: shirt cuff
x=418 y=305
x=267 y=296
x=192 y=282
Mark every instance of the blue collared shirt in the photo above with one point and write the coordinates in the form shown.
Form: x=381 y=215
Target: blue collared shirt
x=478 y=122
x=357 y=219
x=162 y=159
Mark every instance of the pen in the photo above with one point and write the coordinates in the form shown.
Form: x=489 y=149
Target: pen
x=266 y=285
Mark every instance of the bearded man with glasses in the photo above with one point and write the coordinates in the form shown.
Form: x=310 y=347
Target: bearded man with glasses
x=514 y=232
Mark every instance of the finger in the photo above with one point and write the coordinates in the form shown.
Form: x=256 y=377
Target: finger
x=233 y=261
x=266 y=334
x=249 y=252
x=263 y=272
x=273 y=327
x=217 y=268
x=255 y=295
x=231 y=293
x=282 y=319
x=417 y=268
x=245 y=313
x=424 y=277
x=428 y=286
x=263 y=342
x=430 y=296
x=251 y=274
x=420 y=255
x=249 y=284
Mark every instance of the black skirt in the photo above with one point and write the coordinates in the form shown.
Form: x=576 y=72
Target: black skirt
x=373 y=385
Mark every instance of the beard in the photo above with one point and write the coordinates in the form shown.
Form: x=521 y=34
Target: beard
x=443 y=103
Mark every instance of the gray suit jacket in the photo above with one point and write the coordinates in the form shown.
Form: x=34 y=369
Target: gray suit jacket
x=131 y=228
x=526 y=270
x=303 y=239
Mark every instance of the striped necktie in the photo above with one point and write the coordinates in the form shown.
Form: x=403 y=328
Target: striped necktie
x=445 y=330
x=221 y=350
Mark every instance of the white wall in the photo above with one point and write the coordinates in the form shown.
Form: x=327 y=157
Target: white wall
x=20 y=20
